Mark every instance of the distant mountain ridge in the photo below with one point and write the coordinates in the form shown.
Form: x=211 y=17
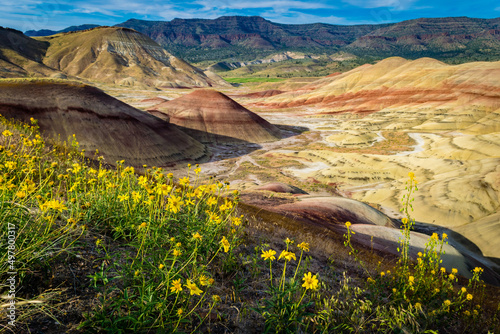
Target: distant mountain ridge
x=48 y=32
x=242 y=38
x=246 y=38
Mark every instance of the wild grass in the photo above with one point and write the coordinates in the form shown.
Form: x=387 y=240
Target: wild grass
x=175 y=256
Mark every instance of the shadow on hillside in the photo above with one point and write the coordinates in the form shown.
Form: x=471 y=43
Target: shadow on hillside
x=225 y=147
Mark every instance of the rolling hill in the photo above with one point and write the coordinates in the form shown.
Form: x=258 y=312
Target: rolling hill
x=99 y=121
x=120 y=56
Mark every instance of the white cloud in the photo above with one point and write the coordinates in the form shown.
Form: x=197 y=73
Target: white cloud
x=225 y=4
x=393 y=4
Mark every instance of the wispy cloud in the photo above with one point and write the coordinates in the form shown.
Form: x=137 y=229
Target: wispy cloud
x=58 y=14
x=392 y=4
x=284 y=4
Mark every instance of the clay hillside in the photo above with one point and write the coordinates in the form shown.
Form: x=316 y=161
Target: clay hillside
x=21 y=56
x=451 y=114
x=121 y=56
x=99 y=121
x=211 y=116
x=468 y=93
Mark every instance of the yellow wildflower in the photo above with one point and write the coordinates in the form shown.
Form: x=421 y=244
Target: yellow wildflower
x=184 y=181
x=174 y=203
x=143 y=225
x=193 y=288
x=268 y=255
x=451 y=277
x=469 y=296
x=136 y=196
x=123 y=198
x=176 y=286
x=7 y=133
x=348 y=224
x=304 y=246
x=216 y=298
x=463 y=290
x=197 y=236
x=236 y=221
x=418 y=306
x=177 y=252
x=225 y=244
x=211 y=201
x=445 y=236
x=20 y=194
x=179 y=312
x=203 y=280
x=454 y=271
x=310 y=282
x=287 y=255
x=447 y=303
x=411 y=175
x=382 y=274
x=10 y=164
x=161 y=266
x=53 y=204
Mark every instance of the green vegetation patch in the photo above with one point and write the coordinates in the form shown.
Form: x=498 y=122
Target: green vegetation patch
x=246 y=80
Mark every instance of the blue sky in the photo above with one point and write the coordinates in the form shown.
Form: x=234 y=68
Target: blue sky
x=34 y=14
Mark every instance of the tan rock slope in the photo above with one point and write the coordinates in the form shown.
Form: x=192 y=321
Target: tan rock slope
x=468 y=94
x=121 y=56
x=99 y=121
x=210 y=116
x=452 y=113
x=21 y=56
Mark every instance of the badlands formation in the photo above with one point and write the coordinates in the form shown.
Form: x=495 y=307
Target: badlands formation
x=372 y=125
x=110 y=55
x=99 y=121
x=212 y=117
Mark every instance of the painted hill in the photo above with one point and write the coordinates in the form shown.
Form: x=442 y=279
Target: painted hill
x=450 y=114
x=247 y=38
x=120 y=56
x=21 y=55
x=211 y=116
x=470 y=93
x=99 y=121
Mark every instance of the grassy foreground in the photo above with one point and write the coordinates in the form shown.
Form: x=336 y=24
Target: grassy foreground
x=145 y=254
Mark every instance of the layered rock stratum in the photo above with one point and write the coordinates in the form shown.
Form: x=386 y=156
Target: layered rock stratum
x=449 y=113
x=210 y=116
x=99 y=121
x=107 y=55
x=120 y=56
